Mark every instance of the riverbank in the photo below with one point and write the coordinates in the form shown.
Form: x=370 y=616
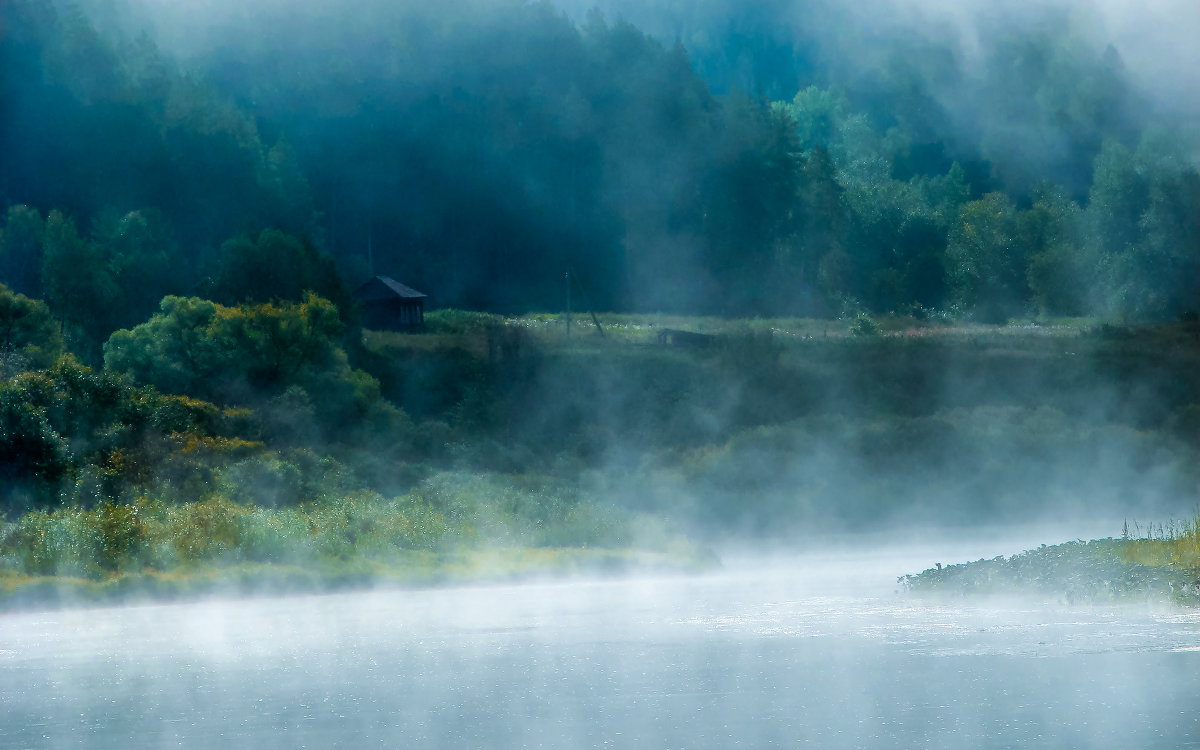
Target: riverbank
x=410 y=570
x=483 y=432
x=1099 y=571
x=159 y=551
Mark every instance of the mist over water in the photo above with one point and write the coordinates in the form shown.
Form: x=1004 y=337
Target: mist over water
x=799 y=165
x=811 y=651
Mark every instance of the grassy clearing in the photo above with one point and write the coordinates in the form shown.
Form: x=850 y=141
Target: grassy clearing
x=453 y=326
x=487 y=335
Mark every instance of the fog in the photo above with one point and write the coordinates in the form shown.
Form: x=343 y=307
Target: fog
x=1153 y=38
x=779 y=46
x=884 y=287
x=809 y=651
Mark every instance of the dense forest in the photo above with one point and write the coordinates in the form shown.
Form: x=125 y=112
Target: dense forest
x=480 y=150
x=189 y=195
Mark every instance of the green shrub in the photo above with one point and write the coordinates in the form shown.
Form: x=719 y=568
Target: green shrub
x=28 y=331
x=58 y=543
x=205 y=530
x=263 y=481
x=119 y=533
x=278 y=536
x=864 y=325
x=366 y=524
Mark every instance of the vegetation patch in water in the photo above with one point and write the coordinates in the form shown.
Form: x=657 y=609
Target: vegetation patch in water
x=1164 y=568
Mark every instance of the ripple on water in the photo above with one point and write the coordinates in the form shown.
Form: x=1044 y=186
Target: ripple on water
x=943 y=630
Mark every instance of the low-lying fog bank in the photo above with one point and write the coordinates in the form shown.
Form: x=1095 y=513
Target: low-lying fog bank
x=1040 y=561
x=485 y=565
x=815 y=650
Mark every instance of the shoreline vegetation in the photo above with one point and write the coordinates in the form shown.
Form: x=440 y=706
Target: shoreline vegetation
x=1162 y=567
x=305 y=457
x=151 y=550
x=483 y=566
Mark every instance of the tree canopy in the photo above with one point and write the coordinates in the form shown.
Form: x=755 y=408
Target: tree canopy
x=480 y=151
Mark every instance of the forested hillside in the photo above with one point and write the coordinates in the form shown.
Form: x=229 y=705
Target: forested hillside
x=481 y=150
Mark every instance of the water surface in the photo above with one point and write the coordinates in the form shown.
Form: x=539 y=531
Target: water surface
x=815 y=652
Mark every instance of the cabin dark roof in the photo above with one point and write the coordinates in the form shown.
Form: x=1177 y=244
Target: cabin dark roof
x=385 y=287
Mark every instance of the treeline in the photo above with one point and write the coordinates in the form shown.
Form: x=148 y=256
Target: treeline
x=479 y=151
x=126 y=181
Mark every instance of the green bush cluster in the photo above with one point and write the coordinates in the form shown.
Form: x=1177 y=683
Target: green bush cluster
x=524 y=510
x=864 y=325
x=69 y=426
x=445 y=512
x=770 y=428
x=74 y=542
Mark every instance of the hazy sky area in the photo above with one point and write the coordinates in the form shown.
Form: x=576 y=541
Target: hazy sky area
x=1156 y=38
x=778 y=47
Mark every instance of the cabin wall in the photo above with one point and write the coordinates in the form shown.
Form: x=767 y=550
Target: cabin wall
x=394 y=315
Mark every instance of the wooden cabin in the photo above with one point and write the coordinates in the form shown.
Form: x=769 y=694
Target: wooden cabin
x=389 y=305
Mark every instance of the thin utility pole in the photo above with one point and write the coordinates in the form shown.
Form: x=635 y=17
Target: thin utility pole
x=568 y=304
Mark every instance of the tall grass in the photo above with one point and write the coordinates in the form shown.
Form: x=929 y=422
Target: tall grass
x=1175 y=543
x=111 y=539
x=444 y=514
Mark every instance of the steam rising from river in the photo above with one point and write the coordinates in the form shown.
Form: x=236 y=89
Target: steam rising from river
x=819 y=650
x=810 y=651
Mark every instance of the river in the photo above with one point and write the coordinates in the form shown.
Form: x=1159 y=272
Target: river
x=818 y=651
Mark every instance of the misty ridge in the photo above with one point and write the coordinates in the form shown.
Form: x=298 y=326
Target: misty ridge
x=852 y=267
